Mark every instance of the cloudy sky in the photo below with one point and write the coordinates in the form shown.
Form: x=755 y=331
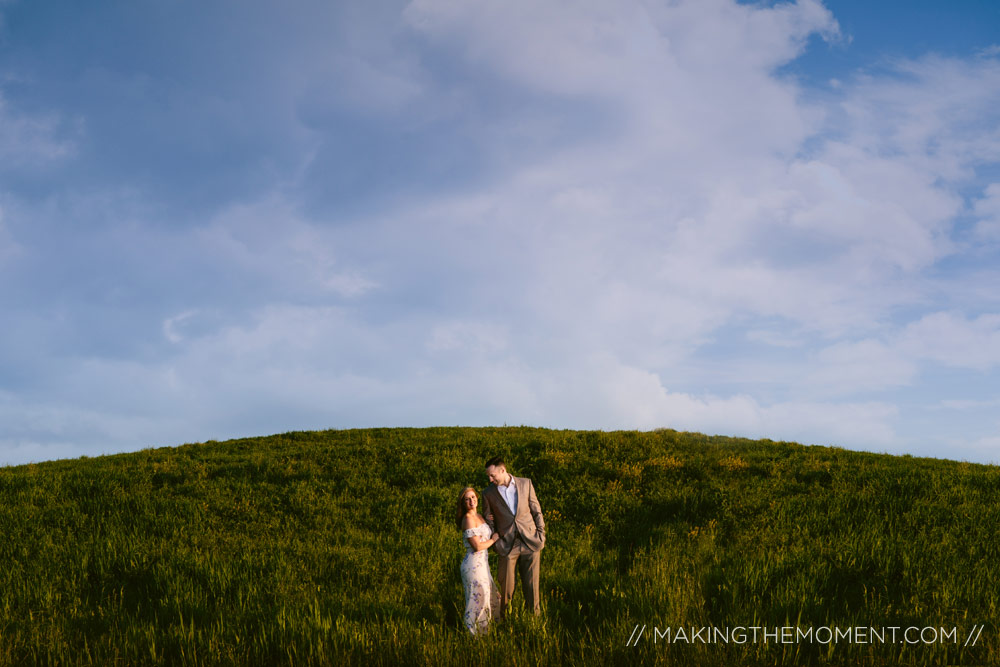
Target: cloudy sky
x=236 y=218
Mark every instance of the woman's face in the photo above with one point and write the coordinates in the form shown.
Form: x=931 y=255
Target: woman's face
x=469 y=500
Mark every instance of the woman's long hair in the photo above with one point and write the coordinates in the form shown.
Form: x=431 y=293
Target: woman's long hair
x=460 y=513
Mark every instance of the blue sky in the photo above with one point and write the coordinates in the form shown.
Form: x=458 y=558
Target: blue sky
x=761 y=219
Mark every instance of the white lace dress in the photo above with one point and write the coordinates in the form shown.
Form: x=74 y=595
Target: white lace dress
x=477 y=581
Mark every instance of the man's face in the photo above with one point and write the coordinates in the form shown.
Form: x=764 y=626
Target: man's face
x=496 y=474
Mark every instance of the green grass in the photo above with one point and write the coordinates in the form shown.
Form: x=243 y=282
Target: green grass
x=338 y=547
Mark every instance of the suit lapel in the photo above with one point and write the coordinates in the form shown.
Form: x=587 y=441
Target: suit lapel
x=502 y=502
x=498 y=501
x=517 y=491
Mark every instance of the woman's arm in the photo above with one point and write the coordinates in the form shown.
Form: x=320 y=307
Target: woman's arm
x=478 y=544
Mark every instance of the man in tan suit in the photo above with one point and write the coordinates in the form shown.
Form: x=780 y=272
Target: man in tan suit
x=511 y=509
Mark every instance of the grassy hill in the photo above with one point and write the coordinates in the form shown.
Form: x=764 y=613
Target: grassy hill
x=338 y=547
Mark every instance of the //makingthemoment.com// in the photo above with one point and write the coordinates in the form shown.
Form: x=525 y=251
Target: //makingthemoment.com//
x=801 y=635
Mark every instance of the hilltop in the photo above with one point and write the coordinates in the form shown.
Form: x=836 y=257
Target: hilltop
x=339 y=547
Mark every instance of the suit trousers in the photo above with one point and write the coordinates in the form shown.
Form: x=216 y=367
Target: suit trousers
x=526 y=563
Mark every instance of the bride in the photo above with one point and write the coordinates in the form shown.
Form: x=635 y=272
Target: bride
x=476 y=577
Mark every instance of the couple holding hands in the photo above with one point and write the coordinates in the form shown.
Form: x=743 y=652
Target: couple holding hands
x=511 y=522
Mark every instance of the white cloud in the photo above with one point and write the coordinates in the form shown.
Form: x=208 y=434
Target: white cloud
x=171 y=324
x=991 y=443
x=573 y=48
x=51 y=429
x=881 y=212
x=376 y=86
x=298 y=368
x=955 y=340
x=269 y=238
x=472 y=336
x=856 y=367
x=637 y=245
x=30 y=141
x=8 y=246
x=987 y=210
x=965 y=404
x=693 y=213
x=984 y=449
x=690 y=216
x=775 y=338
x=937 y=113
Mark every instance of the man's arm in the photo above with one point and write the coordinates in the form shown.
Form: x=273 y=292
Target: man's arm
x=536 y=511
x=488 y=510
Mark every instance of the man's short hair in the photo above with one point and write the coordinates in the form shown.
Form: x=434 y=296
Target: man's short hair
x=496 y=461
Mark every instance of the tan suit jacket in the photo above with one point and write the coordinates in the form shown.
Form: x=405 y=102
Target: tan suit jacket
x=528 y=522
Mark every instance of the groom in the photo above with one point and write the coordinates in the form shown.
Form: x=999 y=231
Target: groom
x=511 y=509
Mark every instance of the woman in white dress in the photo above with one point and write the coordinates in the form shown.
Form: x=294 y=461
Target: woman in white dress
x=476 y=578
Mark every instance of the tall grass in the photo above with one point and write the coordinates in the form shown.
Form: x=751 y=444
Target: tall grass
x=338 y=547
